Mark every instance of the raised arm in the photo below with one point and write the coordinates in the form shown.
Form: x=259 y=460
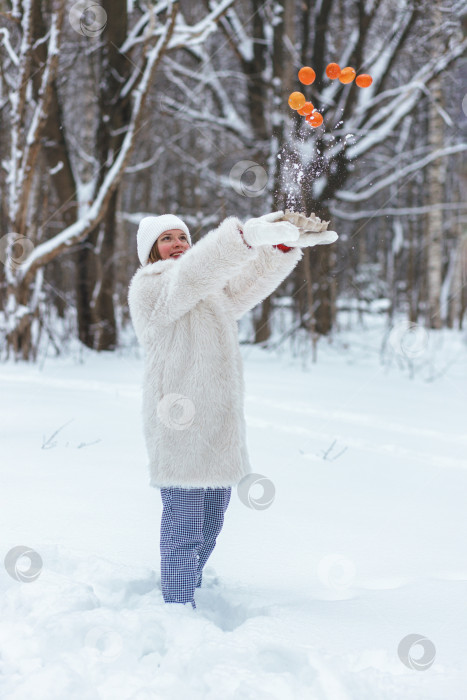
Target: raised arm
x=260 y=277
x=164 y=291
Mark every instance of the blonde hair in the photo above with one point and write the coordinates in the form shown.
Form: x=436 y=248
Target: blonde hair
x=154 y=254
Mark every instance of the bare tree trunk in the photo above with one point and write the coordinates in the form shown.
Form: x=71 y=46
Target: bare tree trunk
x=36 y=72
x=436 y=173
x=282 y=69
x=323 y=261
x=311 y=323
x=456 y=302
x=411 y=279
x=55 y=152
x=261 y=321
x=95 y=284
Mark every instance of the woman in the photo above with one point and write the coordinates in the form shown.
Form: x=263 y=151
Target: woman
x=184 y=303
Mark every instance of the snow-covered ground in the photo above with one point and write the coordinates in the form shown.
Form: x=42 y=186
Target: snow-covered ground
x=310 y=598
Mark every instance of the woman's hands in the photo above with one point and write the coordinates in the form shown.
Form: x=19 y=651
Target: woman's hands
x=309 y=239
x=267 y=230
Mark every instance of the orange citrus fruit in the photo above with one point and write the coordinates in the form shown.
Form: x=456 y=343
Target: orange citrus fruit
x=296 y=100
x=364 y=80
x=306 y=75
x=347 y=75
x=333 y=70
x=315 y=119
x=306 y=109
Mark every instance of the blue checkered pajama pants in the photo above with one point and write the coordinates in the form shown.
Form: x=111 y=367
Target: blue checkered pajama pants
x=191 y=522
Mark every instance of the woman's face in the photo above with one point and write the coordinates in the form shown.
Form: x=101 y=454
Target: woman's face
x=172 y=243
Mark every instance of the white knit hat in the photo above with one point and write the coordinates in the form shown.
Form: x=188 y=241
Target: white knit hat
x=151 y=227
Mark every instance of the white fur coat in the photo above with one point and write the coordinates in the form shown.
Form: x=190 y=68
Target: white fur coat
x=184 y=311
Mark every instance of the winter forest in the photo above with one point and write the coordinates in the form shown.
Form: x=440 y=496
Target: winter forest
x=183 y=108
x=340 y=571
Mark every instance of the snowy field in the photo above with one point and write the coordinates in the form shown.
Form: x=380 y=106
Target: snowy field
x=311 y=598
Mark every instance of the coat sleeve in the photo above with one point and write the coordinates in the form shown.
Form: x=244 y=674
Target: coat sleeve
x=260 y=277
x=164 y=291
